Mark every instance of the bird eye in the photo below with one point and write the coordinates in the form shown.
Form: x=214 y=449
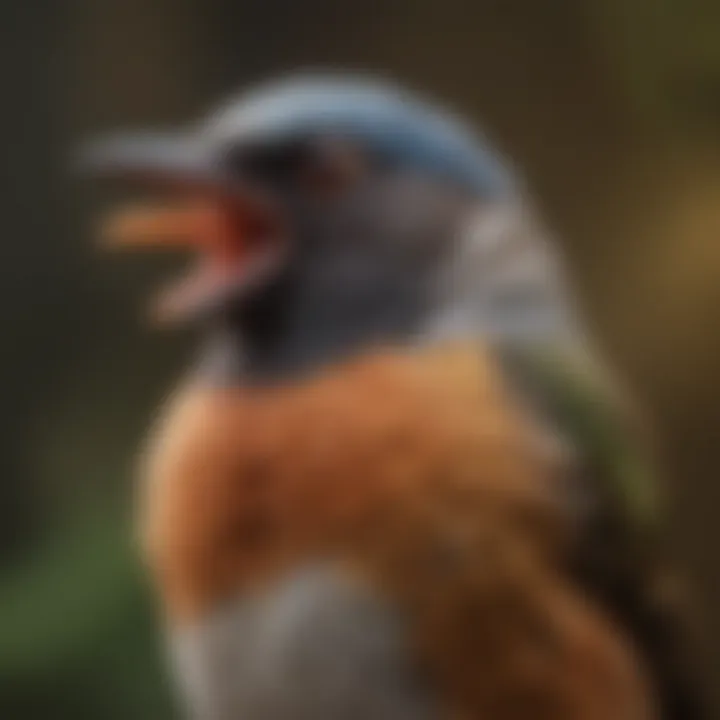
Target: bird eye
x=318 y=167
x=274 y=167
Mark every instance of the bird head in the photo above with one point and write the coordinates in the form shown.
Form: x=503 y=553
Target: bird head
x=328 y=216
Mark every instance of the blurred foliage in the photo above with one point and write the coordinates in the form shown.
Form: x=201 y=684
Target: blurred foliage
x=611 y=107
x=666 y=56
x=77 y=639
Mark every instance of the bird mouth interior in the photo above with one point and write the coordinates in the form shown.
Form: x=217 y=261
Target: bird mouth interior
x=237 y=242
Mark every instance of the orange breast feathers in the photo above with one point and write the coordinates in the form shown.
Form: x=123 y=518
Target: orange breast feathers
x=418 y=472
x=236 y=483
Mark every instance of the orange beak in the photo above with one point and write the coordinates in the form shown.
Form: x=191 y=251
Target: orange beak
x=231 y=243
x=194 y=226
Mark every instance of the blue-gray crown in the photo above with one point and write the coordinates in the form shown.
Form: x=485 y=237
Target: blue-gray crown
x=384 y=118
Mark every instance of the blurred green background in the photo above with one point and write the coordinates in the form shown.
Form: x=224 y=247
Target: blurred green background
x=611 y=107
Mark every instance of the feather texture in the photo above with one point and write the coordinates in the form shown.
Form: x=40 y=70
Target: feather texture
x=421 y=475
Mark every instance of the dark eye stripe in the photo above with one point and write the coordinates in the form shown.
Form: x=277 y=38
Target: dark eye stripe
x=276 y=165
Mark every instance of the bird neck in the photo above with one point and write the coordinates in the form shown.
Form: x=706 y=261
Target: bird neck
x=223 y=357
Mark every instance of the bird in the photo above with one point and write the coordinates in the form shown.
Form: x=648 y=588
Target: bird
x=395 y=482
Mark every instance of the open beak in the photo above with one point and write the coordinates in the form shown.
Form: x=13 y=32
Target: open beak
x=235 y=233
x=238 y=248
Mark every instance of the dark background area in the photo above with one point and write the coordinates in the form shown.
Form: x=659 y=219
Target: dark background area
x=610 y=107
